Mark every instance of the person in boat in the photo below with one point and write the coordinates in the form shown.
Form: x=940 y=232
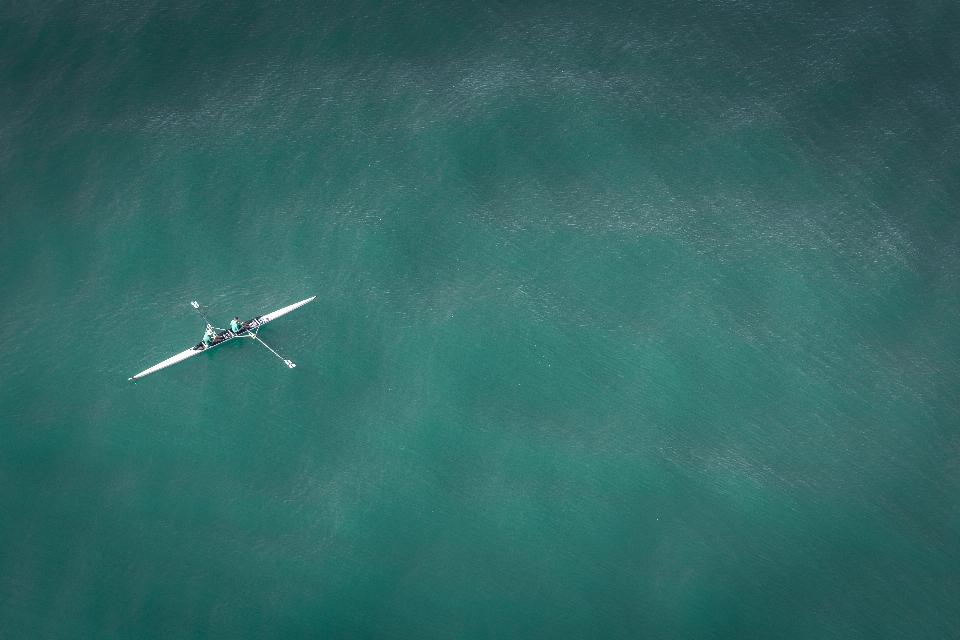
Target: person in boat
x=208 y=336
x=235 y=325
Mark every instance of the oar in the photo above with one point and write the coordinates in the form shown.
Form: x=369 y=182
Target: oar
x=285 y=361
x=196 y=305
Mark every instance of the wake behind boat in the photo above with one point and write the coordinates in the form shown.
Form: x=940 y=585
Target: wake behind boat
x=246 y=329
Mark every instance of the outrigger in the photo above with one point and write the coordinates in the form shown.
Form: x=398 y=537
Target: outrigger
x=247 y=329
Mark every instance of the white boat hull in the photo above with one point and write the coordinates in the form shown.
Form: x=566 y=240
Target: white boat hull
x=282 y=312
x=183 y=355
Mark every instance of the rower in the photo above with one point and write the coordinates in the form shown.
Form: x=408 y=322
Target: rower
x=208 y=335
x=235 y=325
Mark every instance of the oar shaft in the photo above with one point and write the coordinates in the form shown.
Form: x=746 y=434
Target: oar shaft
x=285 y=361
x=196 y=306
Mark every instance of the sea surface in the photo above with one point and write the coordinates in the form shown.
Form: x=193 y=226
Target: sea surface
x=633 y=320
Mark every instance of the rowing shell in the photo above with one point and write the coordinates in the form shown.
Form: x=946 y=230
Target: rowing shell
x=245 y=329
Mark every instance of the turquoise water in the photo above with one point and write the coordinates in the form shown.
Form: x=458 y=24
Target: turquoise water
x=633 y=320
